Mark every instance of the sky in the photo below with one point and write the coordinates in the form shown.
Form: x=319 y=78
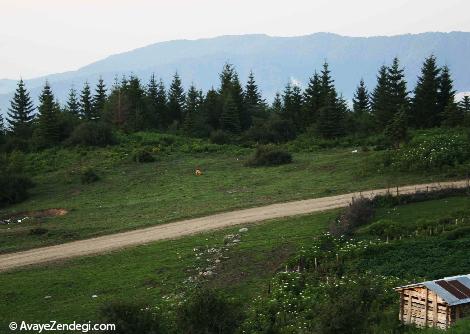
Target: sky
x=50 y=36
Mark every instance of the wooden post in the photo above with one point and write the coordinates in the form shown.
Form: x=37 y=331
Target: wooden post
x=434 y=310
x=426 y=309
x=402 y=301
x=410 y=302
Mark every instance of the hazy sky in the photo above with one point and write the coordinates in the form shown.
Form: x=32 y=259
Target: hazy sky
x=46 y=36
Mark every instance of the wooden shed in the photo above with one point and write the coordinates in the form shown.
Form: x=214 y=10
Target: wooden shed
x=435 y=303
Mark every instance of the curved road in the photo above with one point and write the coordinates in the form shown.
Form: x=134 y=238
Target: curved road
x=182 y=228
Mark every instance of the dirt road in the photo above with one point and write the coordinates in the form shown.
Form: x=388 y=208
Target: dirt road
x=192 y=226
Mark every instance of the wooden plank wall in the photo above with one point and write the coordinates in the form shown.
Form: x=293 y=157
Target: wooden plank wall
x=424 y=308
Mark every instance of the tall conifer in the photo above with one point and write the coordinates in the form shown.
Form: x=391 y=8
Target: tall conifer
x=86 y=103
x=176 y=99
x=20 y=114
x=425 y=108
x=48 y=120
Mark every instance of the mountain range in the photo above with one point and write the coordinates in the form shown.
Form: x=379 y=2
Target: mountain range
x=274 y=61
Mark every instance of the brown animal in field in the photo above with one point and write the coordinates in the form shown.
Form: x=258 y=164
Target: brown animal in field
x=198 y=172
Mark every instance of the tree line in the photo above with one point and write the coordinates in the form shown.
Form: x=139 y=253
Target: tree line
x=240 y=111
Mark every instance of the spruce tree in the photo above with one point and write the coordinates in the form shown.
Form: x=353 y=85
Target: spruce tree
x=20 y=114
x=452 y=116
x=254 y=103
x=292 y=106
x=380 y=99
x=48 y=120
x=277 y=106
x=361 y=103
x=158 y=101
x=73 y=105
x=211 y=109
x=230 y=120
x=191 y=109
x=176 y=99
x=399 y=100
x=86 y=103
x=2 y=126
x=425 y=107
x=312 y=100
x=464 y=104
x=99 y=99
x=397 y=129
x=238 y=96
x=332 y=111
x=226 y=79
x=446 y=93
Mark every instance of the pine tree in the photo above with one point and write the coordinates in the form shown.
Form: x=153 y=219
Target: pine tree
x=137 y=118
x=399 y=100
x=277 y=105
x=2 y=126
x=230 y=120
x=397 y=129
x=48 y=120
x=191 y=109
x=226 y=79
x=331 y=113
x=176 y=100
x=20 y=115
x=464 y=104
x=446 y=93
x=86 y=104
x=73 y=106
x=211 y=108
x=238 y=96
x=425 y=108
x=292 y=105
x=312 y=100
x=380 y=99
x=453 y=115
x=99 y=99
x=254 y=103
x=361 y=103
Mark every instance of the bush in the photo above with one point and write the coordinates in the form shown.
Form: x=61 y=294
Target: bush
x=38 y=231
x=458 y=233
x=143 y=155
x=432 y=152
x=220 y=137
x=269 y=156
x=273 y=131
x=14 y=188
x=207 y=312
x=92 y=134
x=89 y=176
x=360 y=212
x=131 y=318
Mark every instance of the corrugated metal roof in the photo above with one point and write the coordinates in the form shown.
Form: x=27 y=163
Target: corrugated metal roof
x=454 y=290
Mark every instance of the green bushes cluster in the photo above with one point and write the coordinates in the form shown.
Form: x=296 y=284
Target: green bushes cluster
x=431 y=152
x=143 y=155
x=92 y=134
x=360 y=212
x=14 y=183
x=269 y=156
x=89 y=176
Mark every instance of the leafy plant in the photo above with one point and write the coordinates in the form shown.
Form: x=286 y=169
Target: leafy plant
x=269 y=156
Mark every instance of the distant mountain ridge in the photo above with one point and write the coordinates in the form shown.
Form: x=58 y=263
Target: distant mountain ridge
x=274 y=61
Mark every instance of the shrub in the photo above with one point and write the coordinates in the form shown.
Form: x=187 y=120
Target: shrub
x=38 y=231
x=269 y=156
x=131 y=318
x=220 y=137
x=360 y=212
x=89 y=176
x=458 y=233
x=273 y=131
x=143 y=155
x=14 y=188
x=207 y=312
x=92 y=134
x=432 y=152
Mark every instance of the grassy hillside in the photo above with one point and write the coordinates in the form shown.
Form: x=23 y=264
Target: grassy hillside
x=131 y=195
x=158 y=273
